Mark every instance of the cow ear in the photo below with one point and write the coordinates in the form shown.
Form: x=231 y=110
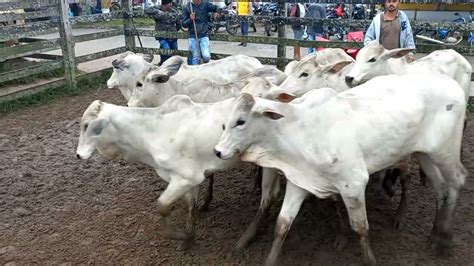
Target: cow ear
x=97 y=126
x=285 y=97
x=127 y=53
x=147 y=57
x=120 y=64
x=396 y=53
x=271 y=114
x=246 y=101
x=336 y=67
x=160 y=78
x=172 y=65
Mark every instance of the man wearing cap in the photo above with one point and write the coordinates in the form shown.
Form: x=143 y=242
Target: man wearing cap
x=391 y=28
x=163 y=22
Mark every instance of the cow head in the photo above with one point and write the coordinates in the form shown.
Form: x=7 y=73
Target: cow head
x=373 y=61
x=241 y=129
x=148 y=85
x=92 y=136
x=126 y=69
x=261 y=87
x=311 y=75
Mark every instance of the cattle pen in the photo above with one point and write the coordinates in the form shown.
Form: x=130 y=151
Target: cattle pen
x=58 y=210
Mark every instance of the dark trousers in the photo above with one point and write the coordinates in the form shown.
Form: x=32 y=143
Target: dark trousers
x=169 y=44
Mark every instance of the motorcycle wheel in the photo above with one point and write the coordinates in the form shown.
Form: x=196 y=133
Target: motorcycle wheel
x=231 y=27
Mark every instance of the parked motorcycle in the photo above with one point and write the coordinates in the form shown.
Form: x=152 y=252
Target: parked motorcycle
x=445 y=36
x=358 y=12
x=268 y=9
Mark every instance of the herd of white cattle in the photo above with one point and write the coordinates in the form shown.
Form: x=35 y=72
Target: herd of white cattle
x=327 y=122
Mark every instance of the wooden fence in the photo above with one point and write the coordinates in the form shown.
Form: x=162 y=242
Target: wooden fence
x=56 y=14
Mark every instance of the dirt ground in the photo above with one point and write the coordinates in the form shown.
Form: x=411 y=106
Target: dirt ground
x=56 y=209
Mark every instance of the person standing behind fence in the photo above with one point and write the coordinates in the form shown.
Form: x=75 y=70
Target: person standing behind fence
x=391 y=28
x=244 y=9
x=316 y=28
x=200 y=10
x=297 y=11
x=163 y=22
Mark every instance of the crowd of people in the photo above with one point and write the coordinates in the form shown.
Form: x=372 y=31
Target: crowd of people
x=391 y=28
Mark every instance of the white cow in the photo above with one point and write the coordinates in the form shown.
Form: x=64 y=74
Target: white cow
x=323 y=57
x=177 y=140
x=125 y=70
x=131 y=67
x=373 y=60
x=160 y=84
x=328 y=143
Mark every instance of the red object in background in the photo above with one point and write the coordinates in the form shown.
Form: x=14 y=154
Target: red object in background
x=339 y=11
x=357 y=36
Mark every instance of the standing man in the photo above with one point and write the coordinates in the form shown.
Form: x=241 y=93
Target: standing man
x=391 y=28
x=244 y=9
x=164 y=23
x=297 y=11
x=198 y=11
x=315 y=29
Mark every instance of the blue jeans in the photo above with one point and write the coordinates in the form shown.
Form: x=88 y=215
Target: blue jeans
x=312 y=37
x=244 y=28
x=298 y=33
x=169 y=44
x=205 y=50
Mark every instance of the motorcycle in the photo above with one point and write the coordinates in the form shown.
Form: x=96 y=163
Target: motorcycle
x=443 y=36
x=358 y=12
x=267 y=10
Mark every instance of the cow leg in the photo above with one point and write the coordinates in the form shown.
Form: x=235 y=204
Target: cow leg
x=175 y=190
x=257 y=180
x=208 y=196
x=270 y=189
x=400 y=219
x=191 y=202
x=341 y=238
x=355 y=206
x=447 y=178
x=294 y=197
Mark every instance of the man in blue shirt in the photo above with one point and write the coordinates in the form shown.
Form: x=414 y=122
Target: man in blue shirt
x=198 y=11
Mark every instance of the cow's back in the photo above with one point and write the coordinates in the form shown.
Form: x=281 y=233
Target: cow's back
x=449 y=63
x=224 y=70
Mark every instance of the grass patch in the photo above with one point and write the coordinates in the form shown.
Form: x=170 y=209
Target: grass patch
x=84 y=84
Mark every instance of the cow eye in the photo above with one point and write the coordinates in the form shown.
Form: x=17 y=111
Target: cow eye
x=223 y=127
x=239 y=122
x=139 y=84
x=372 y=60
x=304 y=75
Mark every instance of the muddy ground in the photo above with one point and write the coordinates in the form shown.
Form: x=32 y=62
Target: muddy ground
x=56 y=209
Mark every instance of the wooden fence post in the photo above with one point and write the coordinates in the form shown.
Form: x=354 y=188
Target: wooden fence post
x=127 y=25
x=281 y=49
x=67 y=44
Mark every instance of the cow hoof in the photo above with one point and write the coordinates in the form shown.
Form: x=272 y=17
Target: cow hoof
x=369 y=258
x=185 y=245
x=177 y=235
x=340 y=242
x=399 y=223
x=203 y=208
x=443 y=244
